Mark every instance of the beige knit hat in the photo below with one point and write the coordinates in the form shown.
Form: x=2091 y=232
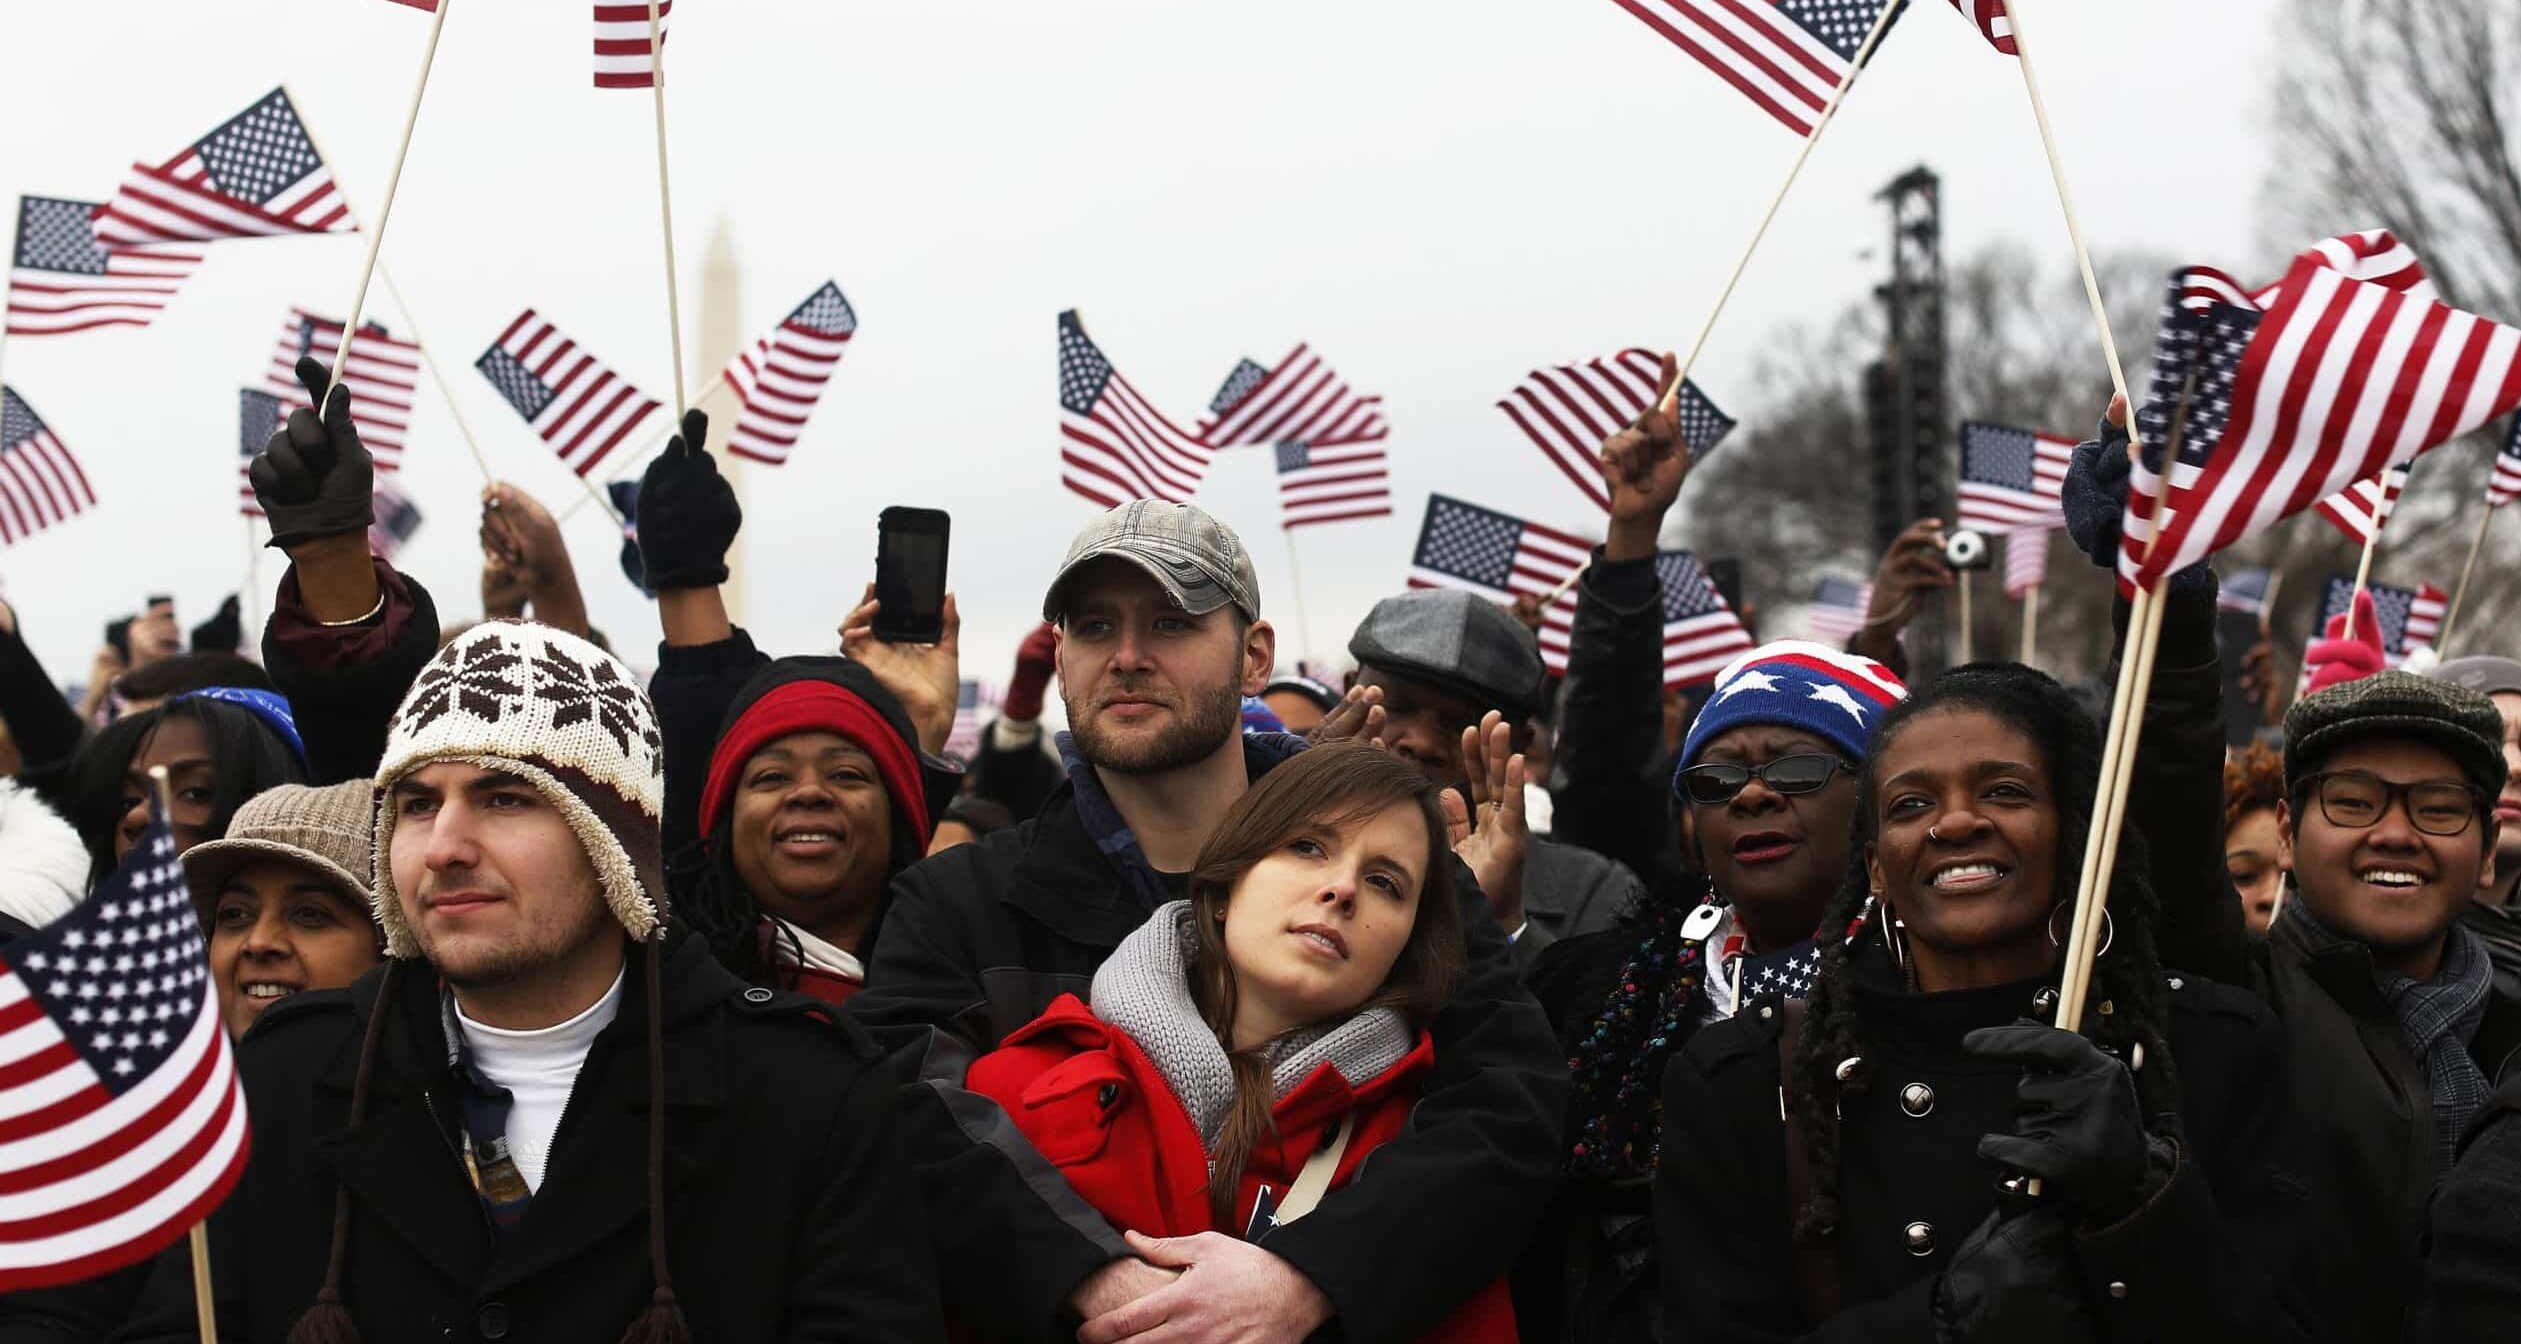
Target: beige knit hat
x=325 y=829
x=565 y=717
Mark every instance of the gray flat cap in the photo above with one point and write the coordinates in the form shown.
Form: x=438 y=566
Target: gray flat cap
x=1454 y=639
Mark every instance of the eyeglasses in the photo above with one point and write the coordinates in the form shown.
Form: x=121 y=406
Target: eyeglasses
x=2354 y=799
x=1804 y=772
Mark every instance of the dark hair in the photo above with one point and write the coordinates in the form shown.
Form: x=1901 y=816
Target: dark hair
x=170 y=677
x=713 y=901
x=984 y=815
x=2253 y=780
x=1334 y=784
x=250 y=758
x=2132 y=1001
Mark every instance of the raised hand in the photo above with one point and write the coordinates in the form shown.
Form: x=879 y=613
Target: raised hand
x=1487 y=829
x=1643 y=466
x=2077 y=1125
x=688 y=516
x=926 y=678
x=1035 y=660
x=315 y=479
x=1359 y=714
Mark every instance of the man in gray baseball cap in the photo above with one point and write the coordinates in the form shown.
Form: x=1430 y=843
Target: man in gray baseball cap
x=1198 y=561
x=2496 y=913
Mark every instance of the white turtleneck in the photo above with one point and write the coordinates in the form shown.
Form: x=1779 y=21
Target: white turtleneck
x=538 y=1068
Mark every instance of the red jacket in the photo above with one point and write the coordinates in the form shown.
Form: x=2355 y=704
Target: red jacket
x=1095 y=1105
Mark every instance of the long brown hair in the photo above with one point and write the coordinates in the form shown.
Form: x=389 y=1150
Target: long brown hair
x=1333 y=785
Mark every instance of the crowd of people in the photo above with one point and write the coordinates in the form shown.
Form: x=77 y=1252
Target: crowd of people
x=1462 y=1001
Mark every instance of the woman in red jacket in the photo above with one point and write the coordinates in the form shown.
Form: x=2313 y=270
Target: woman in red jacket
x=1245 y=1049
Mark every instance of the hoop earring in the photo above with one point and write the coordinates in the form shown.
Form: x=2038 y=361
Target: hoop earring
x=1893 y=943
x=2109 y=929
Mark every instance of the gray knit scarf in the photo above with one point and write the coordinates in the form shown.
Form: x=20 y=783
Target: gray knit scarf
x=2440 y=1018
x=1143 y=989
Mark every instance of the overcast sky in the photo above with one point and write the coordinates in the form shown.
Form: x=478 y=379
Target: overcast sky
x=1438 y=196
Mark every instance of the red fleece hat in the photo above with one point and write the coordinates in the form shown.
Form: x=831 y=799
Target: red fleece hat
x=817 y=707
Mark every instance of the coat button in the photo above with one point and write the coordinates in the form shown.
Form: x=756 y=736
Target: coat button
x=1105 y=1095
x=1917 y=1099
x=492 y=1320
x=2044 y=1003
x=2118 y=1289
x=1920 y=1238
x=757 y=994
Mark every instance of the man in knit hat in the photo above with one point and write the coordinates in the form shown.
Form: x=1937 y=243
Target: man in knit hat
x=551 y=1113
x=1160 y=638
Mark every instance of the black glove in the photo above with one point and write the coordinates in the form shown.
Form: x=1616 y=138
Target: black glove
x=222 y=633
x=2014 y=1279
x=2094 y=497
x=688 y=516
x=315 y=479
x=2077 y=1126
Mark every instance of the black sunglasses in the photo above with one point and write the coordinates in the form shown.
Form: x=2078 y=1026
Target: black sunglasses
x=1804 y=772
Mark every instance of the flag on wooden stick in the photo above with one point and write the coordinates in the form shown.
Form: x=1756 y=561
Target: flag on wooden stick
x=2362 y=509
x=2409 y=617
x=581 y=408
x=2012 y=478
x=61 y=280
x=41 y=483
x=1993 y=24
x=624 y=59
x=2026 y=560
x=1786 y=56
x=1115 y=446
x=383 y=376
x=1333 y=482
x=2505 y=483
x=1567 y=412
x=781 y=377
x=1302 y=400
x=1838 y=609
x=257 y=175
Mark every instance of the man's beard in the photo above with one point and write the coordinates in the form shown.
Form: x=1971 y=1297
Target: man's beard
x=1207 y=723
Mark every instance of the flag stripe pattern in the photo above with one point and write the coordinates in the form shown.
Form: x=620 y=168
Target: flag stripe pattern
x=2505 y=485
x=1993 y=24
x=2301 y=390
x=1786 y=56
x=257 y=175
x=2012 y=478
x=2246 y=590
x=781 y=377
x=1567 y=412
x=383 y=376
x=1333 y=482
x=1838 y=609
x=2361 y=510
x=2026 y=560
x=425 y=6
x=2409 y=617
x=62 y=281
x=123 y=1123
x=623 y=58
x=396 y=518
x=972 y=702
x=581 y=408
x=257 y=419
x=1303 y=400
x=41 y=483
x=1115 y=446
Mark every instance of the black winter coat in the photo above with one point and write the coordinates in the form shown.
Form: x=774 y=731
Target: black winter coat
x=790 y=1214
x=343 y=706
x=1611 y=788
x=1912 y=1188
x=2473 y=1250
x=981 y=938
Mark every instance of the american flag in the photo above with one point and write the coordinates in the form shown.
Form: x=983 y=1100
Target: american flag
x=430 y=6
x=1303 y=399
x=972 y=703
x=258 y=175
x=1115 y=445
x=40 y=482
x=1333 y=482
x=623 y=58
x=2409 y=617
x=2301 y=390
x=1838 y=609
x=1993 y=23
x=2026 y=560
x=1700 y=632
x=383 y=376
x=124 y=1122
x=2250 y=590
x=2505 y=484
x=2361 y=510
x=1569 y=410
x=396 y=518
x=1788 y=56
x=61 y=280
x=782 y=375
x=581 y=408
x=257 y=417
x=1786 y=973
x=2012 y=478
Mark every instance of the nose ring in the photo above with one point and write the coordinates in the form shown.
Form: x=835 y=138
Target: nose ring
x=1934 y=835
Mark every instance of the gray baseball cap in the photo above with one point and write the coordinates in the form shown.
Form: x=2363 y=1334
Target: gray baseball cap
x=1458 y=640
x=2483 y=673
x=1200 y=561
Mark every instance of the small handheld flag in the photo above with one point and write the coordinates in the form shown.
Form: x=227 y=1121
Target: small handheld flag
x=41 y=483
x=257 y=175
x=781 y=377
x=581 y=408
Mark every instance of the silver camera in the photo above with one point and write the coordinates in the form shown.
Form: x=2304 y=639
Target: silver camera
x=1966 y=549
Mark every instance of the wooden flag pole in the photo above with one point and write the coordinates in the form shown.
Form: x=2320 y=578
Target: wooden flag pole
x=1967 y=642
x=2363 y=574
x=2031 y=626
x=393 y=182
x=665 y=209
x=2442 y=642
x=1829 y=110
x=1295 y=592
x=205 y=1312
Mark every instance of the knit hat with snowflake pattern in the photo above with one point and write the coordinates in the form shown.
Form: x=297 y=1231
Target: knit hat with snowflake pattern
x=565 y=717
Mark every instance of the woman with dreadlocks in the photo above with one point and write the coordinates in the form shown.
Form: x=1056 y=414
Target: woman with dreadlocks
x=794 y=789
x=1862 y=1164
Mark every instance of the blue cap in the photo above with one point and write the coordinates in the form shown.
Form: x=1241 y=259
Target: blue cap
x=269 y=706
x=1797 y=685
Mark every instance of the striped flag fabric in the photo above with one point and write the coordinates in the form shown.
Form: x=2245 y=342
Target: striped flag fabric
x=2012 y=478
x=581 y=408
x=123 y=1123
x=2026 y=560
x=1701 y=633
x=258 y=417
x=623 y=58
x=1837 y=613
x=2300 y=390
x=2361 y=510
x=257 y=175
x=1567 y=412
x=2251 y=590
x=1303 y=400
x=1333 y=482
x=2409 y=617
x=396 y=518
x=972 y=704
x=383 y=376
x=62 y=281
x=426 y=6
x=1115 y=446
x=41 y=483
x=2505 y=484
x=1786 y=56
x=780 y=377
x=1993 y=24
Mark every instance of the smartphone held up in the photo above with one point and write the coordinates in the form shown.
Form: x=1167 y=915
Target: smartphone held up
x=910 y=554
